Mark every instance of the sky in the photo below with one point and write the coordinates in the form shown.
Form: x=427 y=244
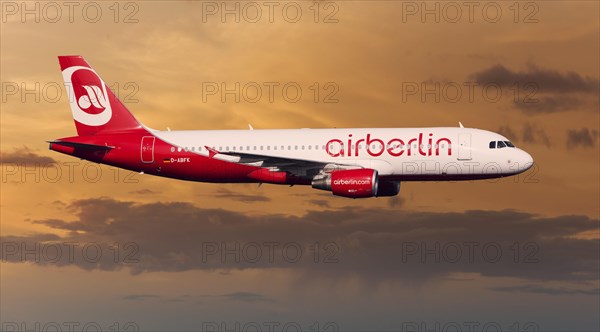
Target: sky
x=87 y=246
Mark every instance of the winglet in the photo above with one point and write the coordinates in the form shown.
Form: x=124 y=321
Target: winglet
x=460 y=124
x=211 y=152
x=250 y=127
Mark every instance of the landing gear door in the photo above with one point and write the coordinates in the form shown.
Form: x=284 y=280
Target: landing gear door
x=464 y=146
x=147 y=149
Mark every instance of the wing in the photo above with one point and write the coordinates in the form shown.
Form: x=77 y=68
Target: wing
x=301 y=168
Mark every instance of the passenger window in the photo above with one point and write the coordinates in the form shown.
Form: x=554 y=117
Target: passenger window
x=501 y=145
x=492 y=144
x=172 y=149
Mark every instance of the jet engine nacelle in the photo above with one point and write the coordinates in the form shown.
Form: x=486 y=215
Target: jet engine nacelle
x=353 y=183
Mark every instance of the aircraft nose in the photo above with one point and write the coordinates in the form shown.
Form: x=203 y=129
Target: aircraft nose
x=525 y=161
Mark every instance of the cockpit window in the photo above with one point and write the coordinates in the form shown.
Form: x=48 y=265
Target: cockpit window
x=501 y=145
x=492 y=144
x=509 y=144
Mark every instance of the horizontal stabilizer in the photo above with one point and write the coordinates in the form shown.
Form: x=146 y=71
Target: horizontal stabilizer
x=85 y=146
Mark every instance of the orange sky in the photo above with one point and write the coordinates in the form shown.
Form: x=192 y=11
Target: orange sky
x=544 y=56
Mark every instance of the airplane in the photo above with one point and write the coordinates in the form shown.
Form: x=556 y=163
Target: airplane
x=350 y=162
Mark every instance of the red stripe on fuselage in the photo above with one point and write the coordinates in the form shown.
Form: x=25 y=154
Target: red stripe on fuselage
x=183 y=165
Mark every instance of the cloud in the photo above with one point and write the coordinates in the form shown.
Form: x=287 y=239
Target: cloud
x=246 y=297
x=25 y=156
x=371 y=243
x=550 y=104
x=240 y=197
x=547 y=80
x=508 y=132
x=539 y=90
x=319 y=202
x=532 y=134
x=584 y=137
x=547 y=290
x=233 y=296
x=395 y=202
x=144 y=192
x=140 y=297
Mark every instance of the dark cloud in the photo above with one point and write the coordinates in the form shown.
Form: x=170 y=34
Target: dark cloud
x=584 y=137
x=551 y=104
x=319 y=202
x=547 y=290
x=538 y=90
x=395 y=201
x=246 y=297
x=25 y=156
x=144 y=192
x=140 y=297
x=371 y=243
x=240 y=197
x=234 y=296
x=508 y=132
x=547 y=80
x=532 y=134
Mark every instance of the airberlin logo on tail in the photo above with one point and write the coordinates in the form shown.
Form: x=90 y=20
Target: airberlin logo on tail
x=395 y=147
x=94 y=97
x=88 y=96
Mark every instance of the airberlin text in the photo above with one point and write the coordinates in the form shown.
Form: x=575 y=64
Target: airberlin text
x=395 y=147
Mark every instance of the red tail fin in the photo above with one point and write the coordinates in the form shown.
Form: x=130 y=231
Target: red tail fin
x=95 y=107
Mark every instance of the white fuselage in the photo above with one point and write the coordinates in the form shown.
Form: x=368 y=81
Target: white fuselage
x=405 y=153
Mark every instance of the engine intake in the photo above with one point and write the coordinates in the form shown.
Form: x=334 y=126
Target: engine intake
x=353 y=183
